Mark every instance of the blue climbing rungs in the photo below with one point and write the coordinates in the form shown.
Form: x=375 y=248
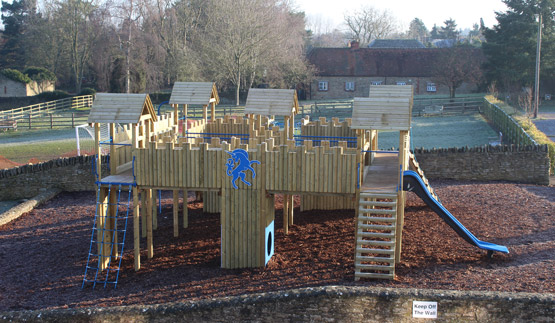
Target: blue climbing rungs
x=103 y=266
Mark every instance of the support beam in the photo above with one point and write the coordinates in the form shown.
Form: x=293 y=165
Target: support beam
x=149 y=242
x=175 y=213
x=136 y=230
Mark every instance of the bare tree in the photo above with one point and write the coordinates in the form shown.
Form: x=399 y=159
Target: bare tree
x=241 y=40
x=369 y=23
x=457 y=65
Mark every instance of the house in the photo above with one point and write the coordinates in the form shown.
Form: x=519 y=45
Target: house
x=396 y=43
x=13 y=88
x=348 y=72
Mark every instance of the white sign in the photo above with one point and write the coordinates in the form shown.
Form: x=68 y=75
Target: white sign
x=427 y=310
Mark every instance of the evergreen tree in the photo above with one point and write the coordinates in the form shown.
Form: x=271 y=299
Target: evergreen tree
x=511 y=44
x=418 y=30
x=16 y=16
x=434 y=34
x=449 y=31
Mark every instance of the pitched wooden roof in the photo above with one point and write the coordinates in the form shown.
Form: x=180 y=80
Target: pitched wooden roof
x=391 y=90
x=381 y=113
x=194 y=93
x=120 y=108
x=269 y=102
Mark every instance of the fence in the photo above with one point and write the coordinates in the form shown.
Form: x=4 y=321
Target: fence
x=40 y=110
x=51 y=121
x=507 y=125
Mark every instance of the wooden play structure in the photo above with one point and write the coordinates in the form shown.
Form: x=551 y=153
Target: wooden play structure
x=240 y=163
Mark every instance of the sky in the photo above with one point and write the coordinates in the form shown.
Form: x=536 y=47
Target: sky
x=464 y=12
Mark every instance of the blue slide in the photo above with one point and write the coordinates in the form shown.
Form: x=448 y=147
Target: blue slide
x=413 y=183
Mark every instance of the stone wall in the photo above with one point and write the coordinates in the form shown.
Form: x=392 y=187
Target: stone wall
x=66 y=174
x=524 y=164
x=320 y=304
x=10 y=88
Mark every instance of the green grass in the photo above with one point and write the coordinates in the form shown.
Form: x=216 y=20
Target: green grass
x=43 y=150
x=443 y=132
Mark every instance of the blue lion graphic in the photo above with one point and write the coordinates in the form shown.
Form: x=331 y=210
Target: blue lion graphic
x=240 y=160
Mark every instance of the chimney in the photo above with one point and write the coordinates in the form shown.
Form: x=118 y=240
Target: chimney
x=353 y=44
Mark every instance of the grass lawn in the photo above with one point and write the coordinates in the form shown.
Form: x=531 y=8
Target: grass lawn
x=443 y=132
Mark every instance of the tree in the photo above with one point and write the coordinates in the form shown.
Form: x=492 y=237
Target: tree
x=77 y=20
x=242 y=41
x=434 y=34
x=457 y=65
x=511 y=44
x=449 y=31
x=369 y=23
x=16 y=16
x=417 y=30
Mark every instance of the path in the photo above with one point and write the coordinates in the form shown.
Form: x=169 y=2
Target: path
x=546 y=124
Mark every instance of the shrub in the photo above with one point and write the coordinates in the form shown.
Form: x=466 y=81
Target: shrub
x=87 y=91
x=15 y=75
x=53 y=95
x=40 y=74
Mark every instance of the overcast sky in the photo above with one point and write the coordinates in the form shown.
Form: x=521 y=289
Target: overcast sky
x=465 y=12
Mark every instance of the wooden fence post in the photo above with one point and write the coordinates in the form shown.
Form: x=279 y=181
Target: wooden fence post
x=29 y=121
x=51 y=123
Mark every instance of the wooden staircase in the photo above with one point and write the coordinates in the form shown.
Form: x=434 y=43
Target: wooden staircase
x=413 y=165
x=375 y=236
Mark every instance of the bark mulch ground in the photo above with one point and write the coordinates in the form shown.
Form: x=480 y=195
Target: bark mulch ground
x=43 y=253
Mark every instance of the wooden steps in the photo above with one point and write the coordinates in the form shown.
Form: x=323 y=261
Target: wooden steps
x=413 y=164
x=375 y=236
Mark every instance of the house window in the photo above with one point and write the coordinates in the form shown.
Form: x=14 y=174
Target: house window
x=349 y=86
x=401 y=83
x=431 y=87
x=376 y=82
x=323 y=86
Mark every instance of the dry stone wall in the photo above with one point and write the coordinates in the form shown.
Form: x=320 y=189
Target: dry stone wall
x=524 y=164
x=66 y=174
x=319 y=304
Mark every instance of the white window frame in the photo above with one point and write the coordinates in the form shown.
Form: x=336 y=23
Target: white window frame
x=350 y=86
x=322 y=85
x=377 y=82
x=431 y=87
x=401 y=83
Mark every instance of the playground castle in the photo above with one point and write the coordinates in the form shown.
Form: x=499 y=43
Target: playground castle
x=240 y=163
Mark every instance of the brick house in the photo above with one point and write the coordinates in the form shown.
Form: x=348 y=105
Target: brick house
x=11 y=88
x=348 y=72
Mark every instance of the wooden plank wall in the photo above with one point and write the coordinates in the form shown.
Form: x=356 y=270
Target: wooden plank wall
x=332 y=128
x=296 y=169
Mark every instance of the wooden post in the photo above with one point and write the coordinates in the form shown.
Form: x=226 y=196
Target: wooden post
x=185 y=210
x=175 y=213
x=113 y=157
x=136 y=230
x=154 y=210
x=184 y=127
x=149 y=242
x=100 y=226
x=213 y=111
x=403 y=162
x=205 y=113
x=98 y=150
x=143 y=213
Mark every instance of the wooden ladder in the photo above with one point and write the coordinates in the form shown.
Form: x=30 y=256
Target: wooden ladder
x=415 y=166
x=375 y=236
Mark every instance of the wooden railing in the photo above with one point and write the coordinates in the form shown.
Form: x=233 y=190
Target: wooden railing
x=41 y=109
x=507 y=125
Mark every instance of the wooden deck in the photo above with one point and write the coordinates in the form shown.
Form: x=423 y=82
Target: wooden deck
x=123 y=178
x=383 y=174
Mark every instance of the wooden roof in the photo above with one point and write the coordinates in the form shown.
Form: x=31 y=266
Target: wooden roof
x=194 y=93
x=391 y=90
x=120 y=108
x=269 y=102
x=381 y=113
